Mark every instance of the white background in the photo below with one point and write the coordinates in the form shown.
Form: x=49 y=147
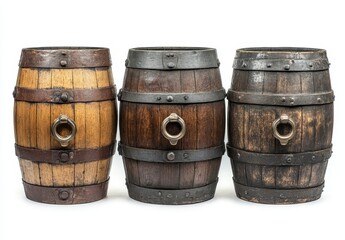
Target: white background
x=120 y=25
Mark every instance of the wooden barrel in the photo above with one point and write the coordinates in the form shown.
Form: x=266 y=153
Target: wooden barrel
x=280 y=124
x=65 y=123
x=172 y=123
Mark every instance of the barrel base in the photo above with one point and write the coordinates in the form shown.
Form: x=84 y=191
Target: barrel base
x=278 y=196
x=66 y=195
x=172 y=197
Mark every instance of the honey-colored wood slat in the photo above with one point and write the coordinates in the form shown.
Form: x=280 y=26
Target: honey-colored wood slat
x=63 y=175
x=21 y=120
x=329 y=116
x=92 y=136
x=102 y=170
x=92 y=126
x=43 y=127
x=31 y=171
x=102 y=77
x=108 y=122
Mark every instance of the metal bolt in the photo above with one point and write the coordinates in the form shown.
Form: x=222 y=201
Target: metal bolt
x=218 y=62
x=64 y=157
x=287 y=67
x=244 y=65
x=185 y=155
x=64 y=97
x=172 y=55
x=281 y=195
x=246 y=192
x=319 y=100
x=292 y=101
x=239 y=97
x=187 y=194
x=170 y=156
x=313 y=157
x=158 y=98
x=170 y=98
x=63 y=195
x=238 y=155
x=310 y=65
x=159 y=193
x=269 y=65
x=185 y=97
x=283 y=99
x=126 y=62
x=14 y=93
x=63 y=63
x=289 y=160
x=63 y=53
x=171 y=65
x=169 y=195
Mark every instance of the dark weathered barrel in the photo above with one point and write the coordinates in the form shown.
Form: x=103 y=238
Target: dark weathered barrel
x=172 y=123
x=280 y=124
x=65 y=123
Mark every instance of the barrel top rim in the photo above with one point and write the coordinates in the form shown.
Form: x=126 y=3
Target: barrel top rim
x=303 y=50
x=66 y=48
x=172 y=48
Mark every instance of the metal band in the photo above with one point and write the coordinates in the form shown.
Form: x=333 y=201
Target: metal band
x=66 y=195
x=171 y=98
x=174 y=58
x=65 y=57
x=280 y=99
x=172 y=197
x=64 y=95
x=278 y=196
x=285 y=65
x=65 y=156
x=171 y=156
x=279 y=159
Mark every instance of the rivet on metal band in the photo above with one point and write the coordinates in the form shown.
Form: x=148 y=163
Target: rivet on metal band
x=65 y=156
x=276 y=196
x=172 y=196
x=66 y=195
x=281 y=99
x=291 y=65
x=172 y=98
x=170 y=156
x=267 y=159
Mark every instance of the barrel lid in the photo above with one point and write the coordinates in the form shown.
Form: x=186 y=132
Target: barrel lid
x=172 y=58
x=65 y=57
x=281 y=59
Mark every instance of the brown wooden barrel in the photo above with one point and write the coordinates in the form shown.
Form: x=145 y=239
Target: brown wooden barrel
x=280 y=124
x=172 y=123
x=65 y=123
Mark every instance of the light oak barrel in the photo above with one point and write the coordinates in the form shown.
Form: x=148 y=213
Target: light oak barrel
x=76 y=86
